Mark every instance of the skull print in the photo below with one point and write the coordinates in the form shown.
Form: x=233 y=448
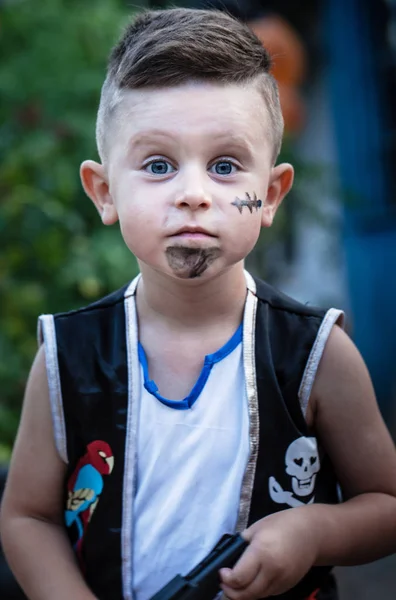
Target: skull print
x=302 y=464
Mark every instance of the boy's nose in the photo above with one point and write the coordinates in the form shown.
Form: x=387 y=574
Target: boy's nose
x=194 y=199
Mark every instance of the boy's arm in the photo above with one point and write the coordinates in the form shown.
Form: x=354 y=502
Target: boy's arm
x=347 y=421
x=350 y=427
x=32 y=532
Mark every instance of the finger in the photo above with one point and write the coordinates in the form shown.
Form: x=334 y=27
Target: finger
x=244 y=572
x=249 y=533
x=258 y=588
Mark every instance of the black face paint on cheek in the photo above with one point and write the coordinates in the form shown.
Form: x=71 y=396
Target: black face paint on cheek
x=249 y=202
x=189 y=263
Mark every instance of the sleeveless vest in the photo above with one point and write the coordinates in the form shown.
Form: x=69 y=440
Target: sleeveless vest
x=94 y=384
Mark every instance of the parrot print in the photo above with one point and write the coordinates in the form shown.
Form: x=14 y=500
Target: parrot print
x=84 y=488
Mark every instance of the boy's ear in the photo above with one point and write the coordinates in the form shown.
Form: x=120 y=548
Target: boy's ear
x=96 y=186
x=280 y=183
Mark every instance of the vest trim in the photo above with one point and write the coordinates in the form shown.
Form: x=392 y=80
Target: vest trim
x=129 y=487
x=331 y=318
x=249 y=363
x=46 y=334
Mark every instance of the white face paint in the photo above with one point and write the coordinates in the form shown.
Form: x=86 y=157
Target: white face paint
x=303 y=464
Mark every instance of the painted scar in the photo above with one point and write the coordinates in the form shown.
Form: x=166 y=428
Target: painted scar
x=250 y=203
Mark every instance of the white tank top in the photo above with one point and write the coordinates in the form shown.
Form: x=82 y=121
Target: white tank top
x=192 y=456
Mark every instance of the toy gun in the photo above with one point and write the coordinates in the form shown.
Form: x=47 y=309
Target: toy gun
x=203 y=582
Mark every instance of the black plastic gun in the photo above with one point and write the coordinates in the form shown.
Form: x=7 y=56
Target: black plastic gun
x=203 y=582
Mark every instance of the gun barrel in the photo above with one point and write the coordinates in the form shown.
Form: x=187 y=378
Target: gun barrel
x=203 y=581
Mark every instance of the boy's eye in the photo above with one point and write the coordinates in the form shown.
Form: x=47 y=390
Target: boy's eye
x=223 y=167
x=159 y=167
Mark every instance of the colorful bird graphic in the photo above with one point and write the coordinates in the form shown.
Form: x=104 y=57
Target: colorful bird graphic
x=85 y=486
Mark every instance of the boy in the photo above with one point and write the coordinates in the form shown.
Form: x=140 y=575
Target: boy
x=195 y=401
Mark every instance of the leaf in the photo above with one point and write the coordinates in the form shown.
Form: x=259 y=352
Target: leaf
x=54 y=252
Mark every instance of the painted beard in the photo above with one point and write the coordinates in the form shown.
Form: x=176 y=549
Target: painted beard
x=189 y=263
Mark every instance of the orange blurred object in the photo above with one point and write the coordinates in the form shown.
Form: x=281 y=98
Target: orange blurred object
x=289 y=65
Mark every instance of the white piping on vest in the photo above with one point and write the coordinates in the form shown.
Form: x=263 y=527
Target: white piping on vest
x=46 y=334
x=249 y=362
x=129 y=486
x=332 y=317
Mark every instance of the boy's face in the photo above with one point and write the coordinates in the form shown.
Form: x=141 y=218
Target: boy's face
x=189 y=176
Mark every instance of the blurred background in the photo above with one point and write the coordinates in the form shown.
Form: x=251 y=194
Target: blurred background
x=334 y=240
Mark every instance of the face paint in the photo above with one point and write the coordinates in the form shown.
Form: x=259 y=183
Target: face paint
x=249 y=202
x=189 y=263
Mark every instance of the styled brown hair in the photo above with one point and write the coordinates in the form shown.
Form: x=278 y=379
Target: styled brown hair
x=167 y=48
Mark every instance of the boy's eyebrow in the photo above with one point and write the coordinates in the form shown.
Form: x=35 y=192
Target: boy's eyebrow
x=235 y=141
x=228 y=137
x=145 y=137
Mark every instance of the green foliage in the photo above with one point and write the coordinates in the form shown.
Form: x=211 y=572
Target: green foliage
x=55 y=254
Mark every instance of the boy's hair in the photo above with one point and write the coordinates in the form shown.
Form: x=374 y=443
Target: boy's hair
x=167 y=48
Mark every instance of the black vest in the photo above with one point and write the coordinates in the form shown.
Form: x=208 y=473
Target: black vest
x=91 y=357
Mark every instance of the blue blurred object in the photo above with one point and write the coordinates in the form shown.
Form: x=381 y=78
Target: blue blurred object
x=358 y=57
x=371 y=254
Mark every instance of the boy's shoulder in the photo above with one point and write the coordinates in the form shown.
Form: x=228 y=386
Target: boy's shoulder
x=278 y=301
x=85 y=325
x=106 y=302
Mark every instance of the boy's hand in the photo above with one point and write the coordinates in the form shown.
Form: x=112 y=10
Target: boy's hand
x=282 y=549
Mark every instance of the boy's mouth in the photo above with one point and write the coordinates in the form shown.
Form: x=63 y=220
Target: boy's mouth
x=192 y=232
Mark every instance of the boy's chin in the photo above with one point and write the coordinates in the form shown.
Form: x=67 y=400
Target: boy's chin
x=191 y=263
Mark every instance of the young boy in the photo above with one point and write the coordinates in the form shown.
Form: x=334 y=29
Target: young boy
x=196 y=401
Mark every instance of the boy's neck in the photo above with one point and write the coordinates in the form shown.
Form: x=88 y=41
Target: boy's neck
x=167 y=299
